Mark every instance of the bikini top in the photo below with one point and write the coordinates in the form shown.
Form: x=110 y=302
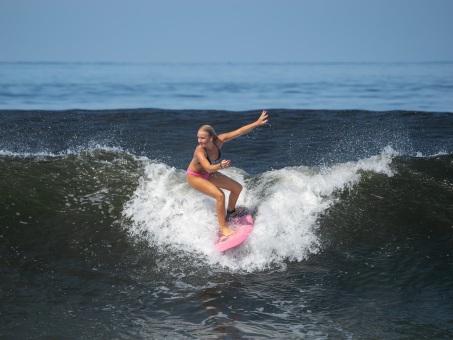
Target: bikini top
x=195 y=159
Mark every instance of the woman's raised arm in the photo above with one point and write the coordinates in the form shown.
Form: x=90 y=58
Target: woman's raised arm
x=225 y=137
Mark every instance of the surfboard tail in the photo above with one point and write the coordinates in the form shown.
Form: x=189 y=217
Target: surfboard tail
x=243 y=226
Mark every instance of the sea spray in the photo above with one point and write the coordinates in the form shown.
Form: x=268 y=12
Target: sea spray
x=286 y=204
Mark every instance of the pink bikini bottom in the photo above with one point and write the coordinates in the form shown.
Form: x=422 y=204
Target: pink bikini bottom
x=205 y=176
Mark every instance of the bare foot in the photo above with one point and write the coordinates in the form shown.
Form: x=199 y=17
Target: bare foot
x=241 y=210
x=238 y=212
x=238 y=209
x=227 y=231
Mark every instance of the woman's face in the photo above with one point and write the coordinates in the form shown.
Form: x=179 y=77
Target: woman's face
x=203 y=138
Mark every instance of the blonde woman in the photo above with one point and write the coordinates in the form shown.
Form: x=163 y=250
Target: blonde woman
x=203 y=175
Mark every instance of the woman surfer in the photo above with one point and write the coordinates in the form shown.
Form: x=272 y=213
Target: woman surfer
x=203 y=175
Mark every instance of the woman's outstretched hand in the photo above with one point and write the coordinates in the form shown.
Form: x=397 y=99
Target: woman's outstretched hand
x=225 y=137
x=263 y=118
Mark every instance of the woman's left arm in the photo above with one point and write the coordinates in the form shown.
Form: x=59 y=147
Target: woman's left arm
x=225 y=137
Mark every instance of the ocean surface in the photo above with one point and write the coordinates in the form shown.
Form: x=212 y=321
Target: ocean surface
x=350 y=185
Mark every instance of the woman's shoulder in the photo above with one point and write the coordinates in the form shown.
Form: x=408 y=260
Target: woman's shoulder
x=198 y=149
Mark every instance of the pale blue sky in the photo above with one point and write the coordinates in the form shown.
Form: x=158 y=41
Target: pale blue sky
x=226 y=31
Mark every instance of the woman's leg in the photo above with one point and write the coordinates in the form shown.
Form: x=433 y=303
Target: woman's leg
x=225 y=182
x=210 y=189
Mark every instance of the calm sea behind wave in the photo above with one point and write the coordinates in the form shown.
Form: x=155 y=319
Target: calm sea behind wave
x=227 y=86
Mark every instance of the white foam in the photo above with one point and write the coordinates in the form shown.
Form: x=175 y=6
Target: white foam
x=72 y=151
x=286 y=204
x=437 y=154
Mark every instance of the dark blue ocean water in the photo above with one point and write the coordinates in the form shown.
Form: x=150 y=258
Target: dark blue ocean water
x=350 y=185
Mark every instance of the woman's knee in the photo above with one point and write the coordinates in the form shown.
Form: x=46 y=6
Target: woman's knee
x=220 y=196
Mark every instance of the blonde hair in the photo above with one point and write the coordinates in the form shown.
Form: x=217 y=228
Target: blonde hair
x=210 y=130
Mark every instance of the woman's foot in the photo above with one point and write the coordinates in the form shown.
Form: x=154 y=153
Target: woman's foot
x=225 y=231
x=238 y=212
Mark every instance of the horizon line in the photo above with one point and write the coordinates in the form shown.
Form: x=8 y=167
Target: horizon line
x=220 y=62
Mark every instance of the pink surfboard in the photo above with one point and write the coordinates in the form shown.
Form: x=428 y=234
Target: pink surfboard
x=243 y=226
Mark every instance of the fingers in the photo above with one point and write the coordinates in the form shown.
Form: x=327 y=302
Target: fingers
x=263 y=117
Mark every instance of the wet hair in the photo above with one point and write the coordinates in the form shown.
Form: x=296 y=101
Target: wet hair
x=210 y=130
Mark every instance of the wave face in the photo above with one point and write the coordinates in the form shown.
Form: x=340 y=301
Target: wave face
x=352 y=210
